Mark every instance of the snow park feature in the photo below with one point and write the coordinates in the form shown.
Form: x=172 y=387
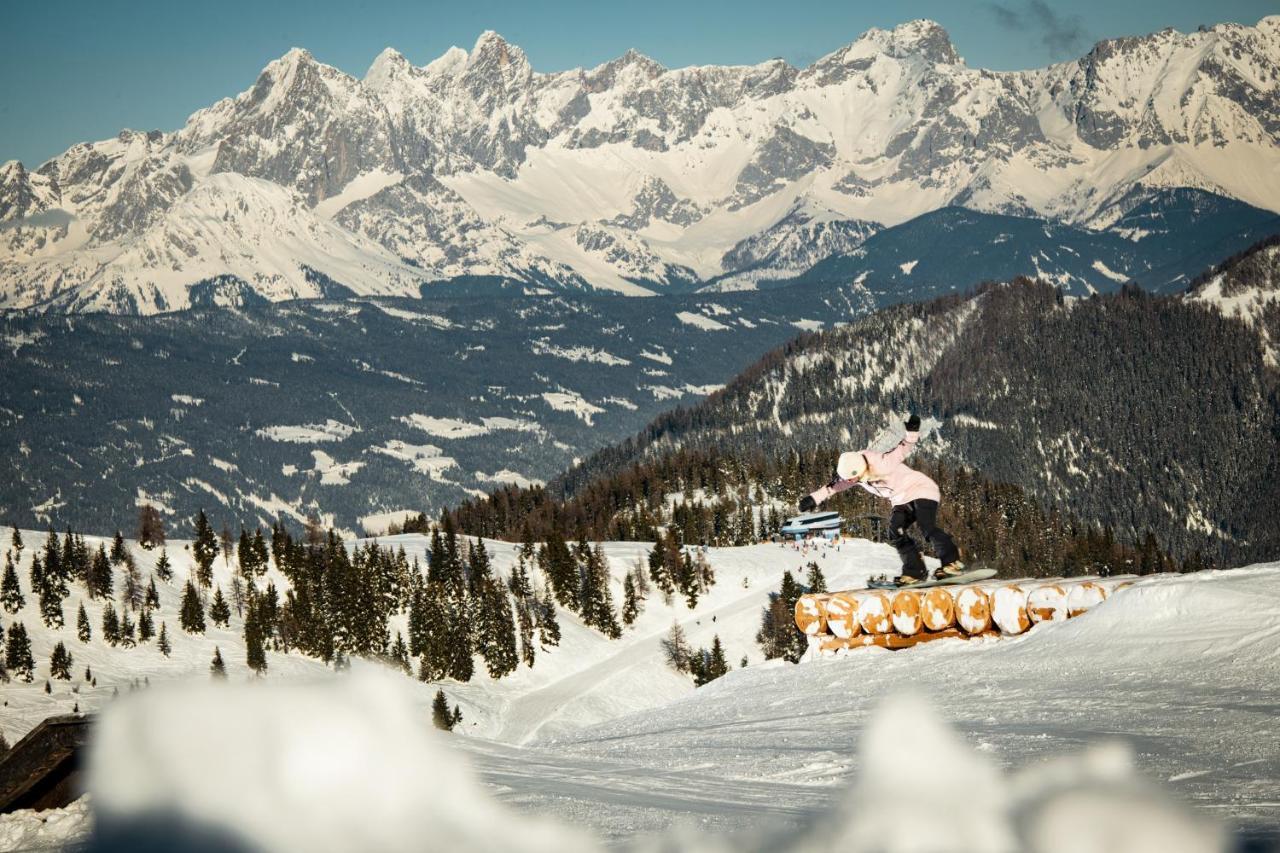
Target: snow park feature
x=902 y=618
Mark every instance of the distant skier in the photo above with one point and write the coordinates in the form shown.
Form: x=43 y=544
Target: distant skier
x=914 y=497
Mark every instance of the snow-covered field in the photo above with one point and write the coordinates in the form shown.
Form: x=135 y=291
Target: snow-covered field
x=1166 y=691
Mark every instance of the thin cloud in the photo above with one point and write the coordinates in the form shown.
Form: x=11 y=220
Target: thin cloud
x=1061 y=34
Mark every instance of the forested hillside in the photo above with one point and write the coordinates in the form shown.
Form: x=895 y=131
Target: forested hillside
x=1139 y=414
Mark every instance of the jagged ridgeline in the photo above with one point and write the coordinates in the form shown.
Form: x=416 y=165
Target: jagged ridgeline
x=1145 y=416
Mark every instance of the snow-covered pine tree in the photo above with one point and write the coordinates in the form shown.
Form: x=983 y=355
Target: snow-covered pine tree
x=162 y=642
x=11 y=596
x=102 y=576
x=17 y=653
x=84 y=631
x=164 y=569
x=191 y=612
x=60 y=662
x=205 y=550
x=440 y=715
x=630 y=600
x=219 y=610
x=146 y=627
x=110 y=624
x=217 y=667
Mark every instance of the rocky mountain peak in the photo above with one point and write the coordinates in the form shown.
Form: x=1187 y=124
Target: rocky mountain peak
x=387 y=65
x=923 y=38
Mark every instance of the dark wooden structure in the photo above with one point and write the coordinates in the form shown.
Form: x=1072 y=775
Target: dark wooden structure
x=43 y=770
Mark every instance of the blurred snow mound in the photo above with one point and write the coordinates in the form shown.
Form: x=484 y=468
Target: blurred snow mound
x=348 y=764
x=345 y=764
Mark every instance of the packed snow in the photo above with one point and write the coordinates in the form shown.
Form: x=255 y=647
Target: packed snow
x=1093 y=728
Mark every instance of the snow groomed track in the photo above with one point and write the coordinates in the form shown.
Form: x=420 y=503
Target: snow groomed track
x=897 y=619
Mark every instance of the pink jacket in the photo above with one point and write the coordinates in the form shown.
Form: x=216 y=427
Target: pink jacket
x=888 y=477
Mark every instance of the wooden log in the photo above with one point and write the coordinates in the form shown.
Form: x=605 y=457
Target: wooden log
x=1009 y=609
x=841 y=611
x=905 y=609
x=875 y=612
x=1084 y=596
x=973 y=610
x=1047 y=602
x=810 y=615
x=939 y=610
x=44 y=769
x=895 y=641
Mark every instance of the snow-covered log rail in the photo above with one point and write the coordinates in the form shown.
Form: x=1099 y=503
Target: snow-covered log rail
x=896 y=619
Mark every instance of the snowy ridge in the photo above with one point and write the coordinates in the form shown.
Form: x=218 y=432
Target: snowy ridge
x=628 y=176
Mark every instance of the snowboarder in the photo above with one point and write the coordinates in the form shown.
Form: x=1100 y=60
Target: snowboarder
x=915 y=500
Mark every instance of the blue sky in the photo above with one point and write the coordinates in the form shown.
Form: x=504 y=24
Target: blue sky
x=76 y=71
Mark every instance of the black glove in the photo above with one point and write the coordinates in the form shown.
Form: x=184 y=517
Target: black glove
x=913 y=423
x=808 y=504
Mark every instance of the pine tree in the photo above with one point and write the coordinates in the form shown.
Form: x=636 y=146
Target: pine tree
x=226 y=543
x=440 y=715
x=60 y=662
x=146 y=628
x=152 y=598
x=11 y=596
x=548 y=624
x=597 y=600
x=260 y=552
x=17 y=653
x=150 y=527
x=191 y=613
x=456 y=717
x=630 y=601
x=716 y=663
x=217 y=668
x=164 y=569
x=84 y=631
x=255 y=653
x=498 y=643
x=561 y=570
x=163 y=642
x=205 y=550
x=658 y=567
x=101 y=576
x=126 y=628
x=51 y=593
x=816 y=581
x=110 y=624
x=16 y=539
x=133 y=590
x=400 y=654
x=117 y=549
x=525 y=625
x=219 y=611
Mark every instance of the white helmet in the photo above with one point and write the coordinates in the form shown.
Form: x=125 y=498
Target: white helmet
x=851 y=465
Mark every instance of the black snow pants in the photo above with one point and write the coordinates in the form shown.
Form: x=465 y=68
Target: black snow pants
x=925 y=514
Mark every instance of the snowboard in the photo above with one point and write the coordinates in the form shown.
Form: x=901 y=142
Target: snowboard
x=968 y=577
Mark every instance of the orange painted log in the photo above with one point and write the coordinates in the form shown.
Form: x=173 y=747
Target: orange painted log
x=810 y=616
x=1047 y=602
x=841 y=610
x=973 y=610
x=905 y=608
x=1085 y=596
x=875 y=612
x=1009 y=609
x=939 y=610
x=895 y=641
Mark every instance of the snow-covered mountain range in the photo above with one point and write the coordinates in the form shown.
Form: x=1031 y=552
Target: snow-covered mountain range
x=629 y=176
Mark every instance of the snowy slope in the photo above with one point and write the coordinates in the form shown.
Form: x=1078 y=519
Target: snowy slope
x=767 y=748
x=628 y=176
